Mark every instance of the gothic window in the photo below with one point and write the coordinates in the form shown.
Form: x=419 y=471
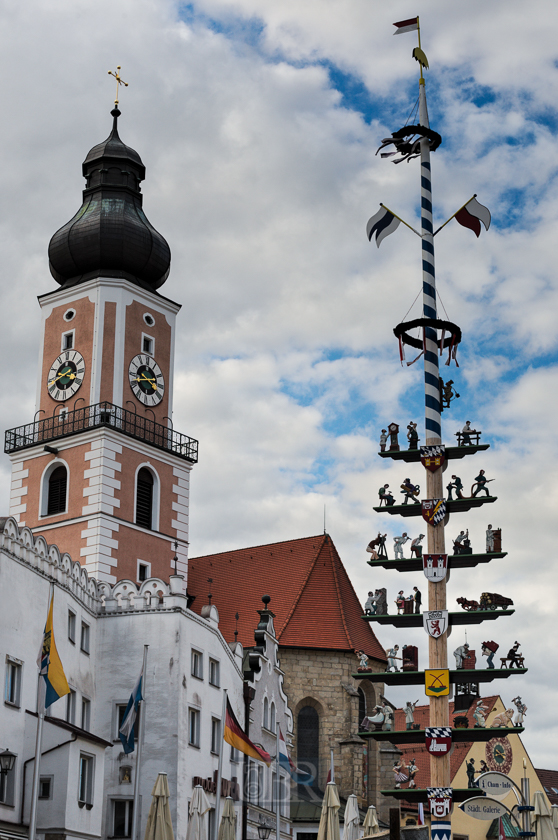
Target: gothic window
x=144 y=498
x=57 y=487
x=308 y=742
x=266 y=713
x=361 y=706
x=272 y=716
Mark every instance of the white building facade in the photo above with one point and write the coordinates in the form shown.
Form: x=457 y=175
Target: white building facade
x=86 y=780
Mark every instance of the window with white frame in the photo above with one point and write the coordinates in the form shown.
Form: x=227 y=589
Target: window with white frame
x=12 y=691
x=197 y=664
x=194 y=727
x=272 y=716
x=72 y=626
x=71 y=706
x=84 y=639
x=214 y=672
x=285 y=796
x=122 y=813
x=235 y=755
x=119 y=720
x=85 y=779
x=266 y=713
x=85 y=714
x=215 y=735
x=144 y=571
x=252 y=781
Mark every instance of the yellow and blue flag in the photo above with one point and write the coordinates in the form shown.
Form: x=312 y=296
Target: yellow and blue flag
x=50 y=666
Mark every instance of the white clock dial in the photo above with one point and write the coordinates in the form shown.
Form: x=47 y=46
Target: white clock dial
x=65 y=375
x=146 y=379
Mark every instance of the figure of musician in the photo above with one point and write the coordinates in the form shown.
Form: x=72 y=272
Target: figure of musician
x=412 y=435
x=410 y=491
x=481 y=481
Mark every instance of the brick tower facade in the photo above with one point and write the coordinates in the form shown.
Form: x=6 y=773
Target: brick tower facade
x=100 y=470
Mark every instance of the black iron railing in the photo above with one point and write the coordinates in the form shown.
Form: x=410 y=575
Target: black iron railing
x=93 y=417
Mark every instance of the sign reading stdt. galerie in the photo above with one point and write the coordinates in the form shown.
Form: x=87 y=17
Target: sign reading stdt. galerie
x=483 y=808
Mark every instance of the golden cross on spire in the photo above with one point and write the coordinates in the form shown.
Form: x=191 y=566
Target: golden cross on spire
x=119 y=82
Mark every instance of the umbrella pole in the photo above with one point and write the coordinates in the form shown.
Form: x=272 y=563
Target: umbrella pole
x=135 y=810
x=277 y=786
x=220 y=768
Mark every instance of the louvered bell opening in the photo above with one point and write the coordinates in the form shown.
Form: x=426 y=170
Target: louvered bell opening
x=57 y=485
x=144 y=499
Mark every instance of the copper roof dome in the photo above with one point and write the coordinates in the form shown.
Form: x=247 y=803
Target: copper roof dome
x=110 y=235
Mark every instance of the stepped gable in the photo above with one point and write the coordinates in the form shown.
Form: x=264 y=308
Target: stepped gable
x=312 y=598
x=419 y=751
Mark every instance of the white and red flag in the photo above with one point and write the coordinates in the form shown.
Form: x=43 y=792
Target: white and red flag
x=501 y=832
x=472 y=214
x=406 y=26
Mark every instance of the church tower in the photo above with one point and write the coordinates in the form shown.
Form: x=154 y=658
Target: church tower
x=100 y=471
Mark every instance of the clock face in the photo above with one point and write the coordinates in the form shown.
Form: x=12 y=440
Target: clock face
x=65 y=375
x=499 y=755
x=146 y=379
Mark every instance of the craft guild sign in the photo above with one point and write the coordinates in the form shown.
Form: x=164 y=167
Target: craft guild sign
x=433 y=511
x=440 y=801
x=435 y=622
x=435 y=566
x=432 y=457
x=438 y=739
x=436 y=682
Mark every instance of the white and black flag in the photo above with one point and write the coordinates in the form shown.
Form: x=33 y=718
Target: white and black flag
x=381 y=225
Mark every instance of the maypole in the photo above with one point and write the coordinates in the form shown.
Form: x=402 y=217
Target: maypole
x=435 y=336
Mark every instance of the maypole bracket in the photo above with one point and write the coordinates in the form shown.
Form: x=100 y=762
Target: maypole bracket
x=409 y=148
x=401 y=332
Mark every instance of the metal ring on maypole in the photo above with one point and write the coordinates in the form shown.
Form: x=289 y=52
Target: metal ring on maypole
x=453 y=339
x=409 y=148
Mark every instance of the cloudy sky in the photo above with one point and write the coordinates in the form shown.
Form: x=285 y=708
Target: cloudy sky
x=258 y=123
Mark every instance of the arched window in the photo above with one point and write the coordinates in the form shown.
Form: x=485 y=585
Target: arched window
x=266 y=714
x=361 y=706
x=57 y=487
x=144 y=498
x=272 y=717
x=308 y=742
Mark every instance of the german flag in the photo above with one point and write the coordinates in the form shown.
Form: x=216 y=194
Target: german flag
x=240 y=741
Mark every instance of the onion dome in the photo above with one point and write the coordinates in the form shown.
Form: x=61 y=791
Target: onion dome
x=110 y=235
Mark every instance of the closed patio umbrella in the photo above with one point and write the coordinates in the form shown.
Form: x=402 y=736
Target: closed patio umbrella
x=329 y=820
x=370 y=823
x=352 y=819
x=159 y=823
x=227 y=825
x=198 y=807
x=542 y=818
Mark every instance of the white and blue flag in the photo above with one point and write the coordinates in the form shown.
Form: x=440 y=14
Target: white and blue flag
x=285 y=761
x=127 y=730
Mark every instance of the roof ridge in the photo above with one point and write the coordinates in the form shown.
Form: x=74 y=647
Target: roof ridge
x=341 y=610
x=250 y=547
x=300 y=591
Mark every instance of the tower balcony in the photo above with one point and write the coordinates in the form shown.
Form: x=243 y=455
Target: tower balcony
x=101 y=415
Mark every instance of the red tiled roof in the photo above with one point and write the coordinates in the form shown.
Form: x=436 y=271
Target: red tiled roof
x=549 y=781
x=419 y=751
x=313 y=600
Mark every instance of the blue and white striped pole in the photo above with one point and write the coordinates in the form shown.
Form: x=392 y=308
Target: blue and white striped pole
x=433 y=425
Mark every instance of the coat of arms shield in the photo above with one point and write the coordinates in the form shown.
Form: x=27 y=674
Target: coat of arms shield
x=433 y=457
x=440 y=829
x=435 y=566
x=438 y=742
x=440 y=801
x=435 y=622
x=433 y=511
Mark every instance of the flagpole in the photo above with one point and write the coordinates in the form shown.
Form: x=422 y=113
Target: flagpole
x=41 y=693
x=455 y=214
x=331 y=768
x=277 y=786
x=440 y=775
x=220 y=767
x=141 y=707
